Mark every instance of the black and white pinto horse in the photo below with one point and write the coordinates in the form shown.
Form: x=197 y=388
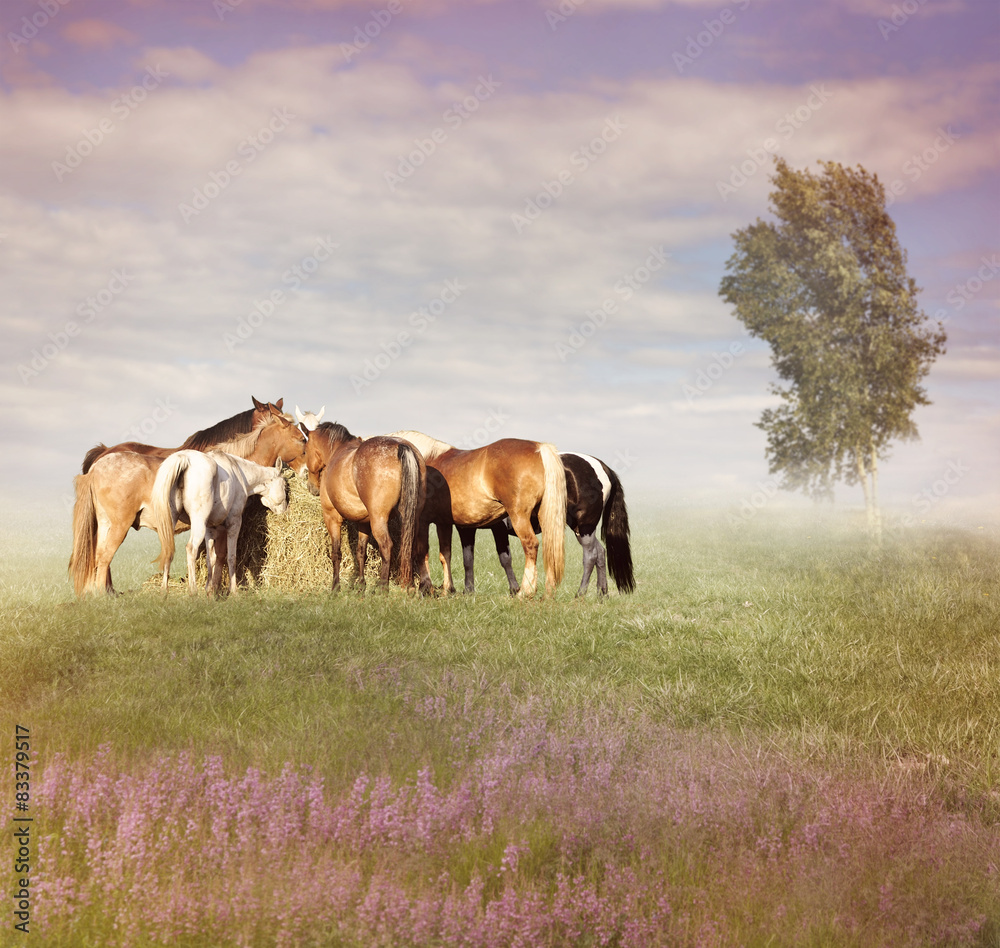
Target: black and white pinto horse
x=594 y=495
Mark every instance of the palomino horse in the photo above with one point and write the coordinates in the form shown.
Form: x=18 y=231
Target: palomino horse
x=204 y=440
x=594 y=495
x=510 y=477
x=209 y=491
x=363 y=481
x=115 y=495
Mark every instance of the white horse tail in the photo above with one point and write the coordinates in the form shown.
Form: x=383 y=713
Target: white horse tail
x=83 y=560
x=161 y=505
x=411 y=502
x=552 y=515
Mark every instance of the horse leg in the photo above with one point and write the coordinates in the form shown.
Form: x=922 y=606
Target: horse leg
x=333 y=523
x=521 y=522
x=212 y=568
x=361 y=560
x=602 y=567
x=502 y=544
x=110 y=536
x=195 y=539
x=588 y=541
x=444 y=554
x=468 y=537
x=233 y=526
x=380 y=530
x=421 y=554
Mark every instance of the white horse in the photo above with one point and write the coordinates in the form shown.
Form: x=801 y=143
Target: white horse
x=210 y=491
x=309 y=420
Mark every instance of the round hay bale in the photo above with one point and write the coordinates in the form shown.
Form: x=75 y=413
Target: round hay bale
x=291 y=552
x=297 y=546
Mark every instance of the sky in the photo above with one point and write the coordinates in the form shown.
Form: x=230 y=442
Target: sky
x=474 y=219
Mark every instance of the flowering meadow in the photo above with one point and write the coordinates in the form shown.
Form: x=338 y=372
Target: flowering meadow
x=677 y=768
x=584 y=831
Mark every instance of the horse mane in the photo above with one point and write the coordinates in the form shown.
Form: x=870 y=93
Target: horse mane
x=429 y=447
x=334 y=432
x=229 y=429
x=243 y=445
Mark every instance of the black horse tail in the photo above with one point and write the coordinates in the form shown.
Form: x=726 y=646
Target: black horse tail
x=615 y=536
x=412 y=489
x=92 y=455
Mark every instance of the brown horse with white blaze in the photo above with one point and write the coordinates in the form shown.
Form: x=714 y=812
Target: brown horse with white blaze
x=115 y=494
x=510 y=477
x=363 y=481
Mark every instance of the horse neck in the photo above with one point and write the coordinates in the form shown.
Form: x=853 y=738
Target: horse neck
x=257 y=475
x=268 y=442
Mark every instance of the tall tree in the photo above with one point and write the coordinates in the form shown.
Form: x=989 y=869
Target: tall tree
x=826 y=286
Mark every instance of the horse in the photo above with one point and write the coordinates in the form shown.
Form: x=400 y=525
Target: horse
x=309 y=420
x=510 y=477
x=363 y=481
x=594 y=495
x=204 y=440
x=210 y=490
x=115 y=494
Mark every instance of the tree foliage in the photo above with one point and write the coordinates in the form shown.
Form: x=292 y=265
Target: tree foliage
x=826 y=286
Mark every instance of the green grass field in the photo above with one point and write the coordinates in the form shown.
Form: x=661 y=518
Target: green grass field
x=785 y=737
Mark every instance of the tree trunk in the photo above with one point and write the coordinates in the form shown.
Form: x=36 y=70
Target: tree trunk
x=876 y=510
x=863 y=477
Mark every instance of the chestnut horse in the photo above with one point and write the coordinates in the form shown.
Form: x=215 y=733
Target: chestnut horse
x=204 y=440
x=115 y=494
x=363 y=481
x=510 y=477
x=594 y=496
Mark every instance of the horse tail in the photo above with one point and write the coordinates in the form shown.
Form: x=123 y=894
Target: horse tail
x=615 y=536
x=92 y=455
x=411 y=502
x=83 y=559
x=552 y=514
x=162 y=510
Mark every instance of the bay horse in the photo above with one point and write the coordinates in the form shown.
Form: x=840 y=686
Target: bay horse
x=513 y=478
x=204 y=440
x=209 y=490
x=363 y=481
x=115 y=494
x=594 y=494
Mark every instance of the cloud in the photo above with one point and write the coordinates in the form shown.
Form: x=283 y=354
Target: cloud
x=292 y=146
x=882 y=8
x=98 y=34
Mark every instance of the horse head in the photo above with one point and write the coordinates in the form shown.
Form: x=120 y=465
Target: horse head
x=291 y=443
x=265 y=410
x=308 y=420
x=275 y=494
x=322 y=442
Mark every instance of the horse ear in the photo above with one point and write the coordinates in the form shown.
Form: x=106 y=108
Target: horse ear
x=304 y=429
x=319 y=417
x=298 y=415
x=279 y=465
x=279 y=403
x=257 y=404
